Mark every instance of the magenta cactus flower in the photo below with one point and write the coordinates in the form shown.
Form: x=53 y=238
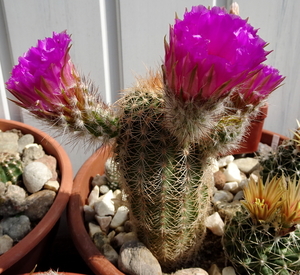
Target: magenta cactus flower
x=258 y=87
x=211 y=52
x=45 y=77
x=46 y=83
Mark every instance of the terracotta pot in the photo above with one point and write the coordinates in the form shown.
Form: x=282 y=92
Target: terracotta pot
x=59 y=273
x=251 y=141
x=23 y=257
x=81 y=189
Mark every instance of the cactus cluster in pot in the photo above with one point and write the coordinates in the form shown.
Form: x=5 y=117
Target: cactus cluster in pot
x=165 y=130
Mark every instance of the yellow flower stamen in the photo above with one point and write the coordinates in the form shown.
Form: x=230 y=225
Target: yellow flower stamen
x=262 y=201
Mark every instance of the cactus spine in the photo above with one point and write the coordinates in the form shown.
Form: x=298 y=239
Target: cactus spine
x=264 y=238
x=11 y=168
x=260 y=248
x=284 y=160
x=167 y=179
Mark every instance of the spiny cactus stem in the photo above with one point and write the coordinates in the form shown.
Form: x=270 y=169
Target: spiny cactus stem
x=110 y=129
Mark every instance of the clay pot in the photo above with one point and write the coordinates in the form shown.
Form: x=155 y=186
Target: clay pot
x=252 y=139
x=23 y=257
x=58 y=273
x=81 y=189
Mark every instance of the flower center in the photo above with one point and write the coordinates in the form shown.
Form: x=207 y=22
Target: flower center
x=259 y=202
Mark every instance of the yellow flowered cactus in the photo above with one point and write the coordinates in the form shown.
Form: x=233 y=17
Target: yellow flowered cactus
x=290 y=210
x=264 y=238
x=262 y=201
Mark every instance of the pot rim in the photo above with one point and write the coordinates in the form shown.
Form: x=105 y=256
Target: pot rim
x=34 y=237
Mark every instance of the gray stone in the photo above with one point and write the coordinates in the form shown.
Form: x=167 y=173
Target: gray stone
x=104 y=189
x=104 y=222
x=191 y=271
x=229 y=270
x=9 y=142
x=93 y=196
x=32 y=153
x=224 y=161
x=99 y=180
x=12 y=199
x=51 y=163
x=239 y=196
x=104 y=208
x=89 y=213
x=227 y=210
x=16 y=227
x=120 y=217
x=93 y=229
x=110 y=253
x=35 y=175
x=232 y=187
x=247 y=165
x=6 y=243
x=38 y=204
x=136 y=259
x=222 y=195
x=2 y=188
x=99 y=239
x=232 y=172
x=24 y=141
x=215 y=224
x=122 y=238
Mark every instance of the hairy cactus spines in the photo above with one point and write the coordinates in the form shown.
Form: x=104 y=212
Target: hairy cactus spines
x=264 y=239
x=11 y=168
x=112 y=174
x=163 y=180
x=259 y=248
x=285 y=160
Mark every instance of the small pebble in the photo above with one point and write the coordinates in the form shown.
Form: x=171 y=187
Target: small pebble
x=120 y=217
x=6 y=243
x=35 y=175
x=215 y=223
x=232 y=172
x=229 y=270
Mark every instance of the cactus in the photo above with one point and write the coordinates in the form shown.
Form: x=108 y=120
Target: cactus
x=285 y=160
x=264 y=239
x=259 y=248
x=112 y=174
x=11 y=168
x=165 y=130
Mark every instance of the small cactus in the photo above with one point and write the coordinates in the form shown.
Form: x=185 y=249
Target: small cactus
x=285 y=160
x=11 y=168
x=264 y=239
x=112 y=174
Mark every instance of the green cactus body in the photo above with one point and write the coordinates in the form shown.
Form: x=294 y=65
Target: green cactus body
x=163 y=180
x=11 y=168
x=261 y=249
x=112 y=174
x=285 y=160
x=167 y=178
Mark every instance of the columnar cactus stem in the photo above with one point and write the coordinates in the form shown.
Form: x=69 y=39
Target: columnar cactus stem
x=163 y=179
